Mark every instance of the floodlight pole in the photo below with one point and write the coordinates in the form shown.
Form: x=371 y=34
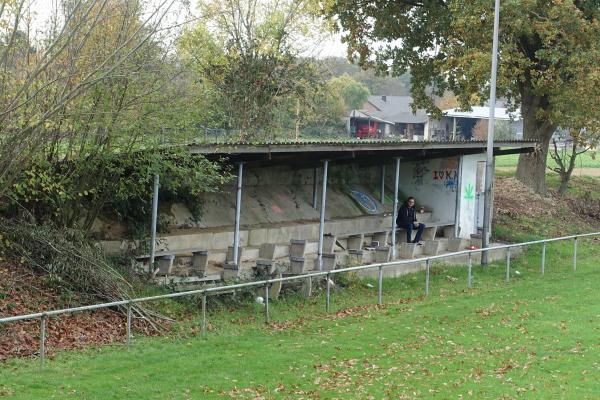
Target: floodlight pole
x=489 y=164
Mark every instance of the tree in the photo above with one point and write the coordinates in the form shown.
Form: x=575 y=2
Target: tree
x=73 y=78
x=248 y=52
x=392 y=86
x=354 y=93
x=548 y=52
x=564 y=152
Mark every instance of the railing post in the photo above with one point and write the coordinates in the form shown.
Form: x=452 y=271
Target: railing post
x=42 y=340
x=427 y=277
x=328 y=293
x=128 y=333
x=469 y=273
x=575 y=254
x=203 y=326
x=267 y=302
x=543 y=257
x=380 y=286
x=507 y=265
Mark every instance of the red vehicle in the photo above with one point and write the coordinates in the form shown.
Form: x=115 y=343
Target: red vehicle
x=367 y=130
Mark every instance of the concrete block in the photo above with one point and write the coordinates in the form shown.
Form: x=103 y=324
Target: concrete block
x=297 y=265
x=449 y=231
x=443 y=244
x=190 y=241
x=230 y=271
x=381 y=237
x=382 y=254
x=165 y=264
x=429 y=233
x=407 y=250
x=264 y=268
x=229 y=257
x=476 y=240
x=355 y=242
x=256 y=237
x=400 y=236
x=111 y=246
x=199 y=263
x=328 y=261
x=218 y=257
x=457 y=244
x=222 y=240
x=250 y=253
x=267 y=251
x=275 y=235
x=432 y=247
x=355 y=256
x=297 y=248
x=311 y=248
x=282 y=250
x=328 y=243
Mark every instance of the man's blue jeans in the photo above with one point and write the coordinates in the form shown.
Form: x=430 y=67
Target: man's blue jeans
x=409 y=229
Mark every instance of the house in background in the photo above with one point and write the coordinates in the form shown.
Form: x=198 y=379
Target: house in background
x=469 y=125
x=392 y=117
x=388 y=116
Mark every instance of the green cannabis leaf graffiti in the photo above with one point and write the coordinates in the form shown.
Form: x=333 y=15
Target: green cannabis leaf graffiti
x=469 y=195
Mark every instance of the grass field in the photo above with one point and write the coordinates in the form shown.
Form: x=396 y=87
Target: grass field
x=590 y=159
x=535 y=337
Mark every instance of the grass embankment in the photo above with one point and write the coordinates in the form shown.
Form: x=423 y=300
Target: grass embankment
x=535 y=337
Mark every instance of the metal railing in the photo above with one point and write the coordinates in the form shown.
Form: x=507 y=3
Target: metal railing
x=43 y=316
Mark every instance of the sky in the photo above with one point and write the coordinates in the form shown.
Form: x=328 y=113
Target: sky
x=330 y=46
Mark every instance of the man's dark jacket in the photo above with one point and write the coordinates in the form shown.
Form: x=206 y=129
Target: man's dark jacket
x=406 y=215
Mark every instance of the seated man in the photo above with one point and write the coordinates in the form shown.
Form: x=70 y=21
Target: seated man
x=407 y=219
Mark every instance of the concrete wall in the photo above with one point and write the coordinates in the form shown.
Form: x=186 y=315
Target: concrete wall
x=277 y=196
x=471 y=198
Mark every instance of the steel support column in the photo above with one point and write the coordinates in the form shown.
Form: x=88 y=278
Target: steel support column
x=382 y=191
x=153 y=227
x=315 y=183
x=238 y=207
x=395 y=207
x=322 y=220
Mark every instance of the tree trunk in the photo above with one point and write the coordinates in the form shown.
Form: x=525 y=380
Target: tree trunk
x=531 y=169
x=564 y=184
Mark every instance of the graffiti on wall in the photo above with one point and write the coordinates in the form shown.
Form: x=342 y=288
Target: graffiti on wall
x=364 y=200
x=445 y=175
x=469 y=192
x=419 y=172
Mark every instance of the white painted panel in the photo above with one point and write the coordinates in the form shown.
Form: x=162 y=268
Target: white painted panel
x=470 y=202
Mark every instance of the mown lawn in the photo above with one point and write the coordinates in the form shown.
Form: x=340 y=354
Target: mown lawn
x=589 y=159
x=535 y=337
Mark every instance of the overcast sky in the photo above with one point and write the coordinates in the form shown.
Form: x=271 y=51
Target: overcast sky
x=326 y=47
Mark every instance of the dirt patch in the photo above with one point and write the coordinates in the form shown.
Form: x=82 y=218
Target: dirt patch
x=25 y=292
x=513 y=198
